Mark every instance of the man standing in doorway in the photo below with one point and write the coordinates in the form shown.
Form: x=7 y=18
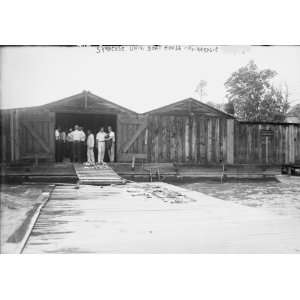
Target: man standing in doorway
x=58 y=145
x=100 y=138
x=69 y=145
x=111 y=144
x=90 y=142
x=82 y=145
x=76 y=135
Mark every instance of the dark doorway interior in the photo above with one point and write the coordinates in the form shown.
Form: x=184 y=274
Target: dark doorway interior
x=87 y=121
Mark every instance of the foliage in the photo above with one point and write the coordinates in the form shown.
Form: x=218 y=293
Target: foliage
x=229 y=107
x=254 y=97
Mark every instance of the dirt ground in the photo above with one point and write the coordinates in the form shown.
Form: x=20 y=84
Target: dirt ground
x=18 y=204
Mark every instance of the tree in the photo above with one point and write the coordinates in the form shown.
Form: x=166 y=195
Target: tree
x=229 y=107
x=254 y=97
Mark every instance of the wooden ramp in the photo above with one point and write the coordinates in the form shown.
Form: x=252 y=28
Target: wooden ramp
x=97 y=175
x=156 y=218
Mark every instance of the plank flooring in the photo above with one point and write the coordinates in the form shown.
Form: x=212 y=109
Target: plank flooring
x=99 y=175
x=156 y=218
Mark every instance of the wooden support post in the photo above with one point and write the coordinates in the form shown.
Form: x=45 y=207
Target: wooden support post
x=3 y=143
x=292 y=144
x=286 y=149
x=36 y=160
x=186 y=145
x=209 y=140
x=12 y=139
x=230 y=141
x=17 y=136
x=133 y=163
x=267 y=147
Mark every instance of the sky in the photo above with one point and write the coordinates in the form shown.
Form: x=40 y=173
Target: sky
x=140 y=78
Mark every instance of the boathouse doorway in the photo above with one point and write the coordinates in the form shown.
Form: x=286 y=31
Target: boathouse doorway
x=90 y=121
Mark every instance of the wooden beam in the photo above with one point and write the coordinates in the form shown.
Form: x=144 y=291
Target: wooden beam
x=135 y=136
x=35 y=135
x=12 y=139
x=17 y=135
x=230 y=141
x=130 y=120
x=187 y=140
x=127 y=157
x=209 y=140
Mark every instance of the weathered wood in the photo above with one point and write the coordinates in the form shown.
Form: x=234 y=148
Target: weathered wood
x=12 y=136
x=134 y=137
x=128 y=156
x=230 y=141
x=209 y=139
x=122 y=219
x=186 y=140
x=35 y=135
x=100 y=176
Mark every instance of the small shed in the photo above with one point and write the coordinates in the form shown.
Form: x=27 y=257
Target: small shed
x=28 y=133
x=190 y=131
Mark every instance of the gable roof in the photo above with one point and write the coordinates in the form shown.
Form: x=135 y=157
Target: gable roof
x=87 y=100
x=190 y=105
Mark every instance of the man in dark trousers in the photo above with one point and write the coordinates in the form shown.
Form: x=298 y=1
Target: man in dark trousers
x=82 y=145
x=70 y=145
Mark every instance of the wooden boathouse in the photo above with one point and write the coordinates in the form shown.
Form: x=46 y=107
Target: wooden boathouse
x=28 y=133
x=187 y=132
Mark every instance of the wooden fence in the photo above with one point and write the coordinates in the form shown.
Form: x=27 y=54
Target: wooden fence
x=266 y=143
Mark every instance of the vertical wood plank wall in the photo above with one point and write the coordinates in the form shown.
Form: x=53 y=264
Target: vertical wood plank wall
x=22 y=144
x=126 y=127
x=195 y=139
x=210 y=140
x=191 y=138
x=282 y=146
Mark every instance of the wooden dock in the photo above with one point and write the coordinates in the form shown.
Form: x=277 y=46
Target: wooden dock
x=156 y=218
x=97 y=175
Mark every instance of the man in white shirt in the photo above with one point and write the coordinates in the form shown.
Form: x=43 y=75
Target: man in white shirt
x=100 y=138
x=90 y=143
x=76 y=135
x=58 y=145
x=69 y=144
x=111 y=144
x=82 y=146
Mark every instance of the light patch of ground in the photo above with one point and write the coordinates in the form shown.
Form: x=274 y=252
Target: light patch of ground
x=18 y=204
x=281 y=198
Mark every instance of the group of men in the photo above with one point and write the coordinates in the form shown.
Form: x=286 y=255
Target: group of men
x=80 y=147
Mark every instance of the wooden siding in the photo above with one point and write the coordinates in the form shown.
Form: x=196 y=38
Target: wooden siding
x=5 y=131
x=178 y=136
x=27 y=134
x=131 y=137
x=195 y=139
x=271 y=144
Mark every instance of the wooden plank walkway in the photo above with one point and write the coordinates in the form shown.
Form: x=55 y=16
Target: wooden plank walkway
x=97 y=175
x=156 y=218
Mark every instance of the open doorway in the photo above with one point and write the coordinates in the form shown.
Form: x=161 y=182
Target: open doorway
x=88 y=121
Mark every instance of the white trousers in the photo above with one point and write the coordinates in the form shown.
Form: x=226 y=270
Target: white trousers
x=90 y=156
x=101 y=151
x=111 y=153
